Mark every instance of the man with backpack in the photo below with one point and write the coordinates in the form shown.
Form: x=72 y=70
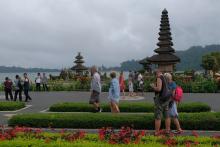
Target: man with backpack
x=176 y=98
x=162 y=99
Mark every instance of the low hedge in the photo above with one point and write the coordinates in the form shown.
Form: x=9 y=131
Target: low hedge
x=11 y=106
x=127 y=107
x=189 y=121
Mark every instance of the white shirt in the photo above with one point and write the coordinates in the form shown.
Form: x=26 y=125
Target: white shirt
x=140 y=77
x=38 y=79
x=96 y=82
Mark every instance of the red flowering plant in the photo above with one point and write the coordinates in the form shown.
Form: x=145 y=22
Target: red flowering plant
x=73 y=136
x=125 y=135
x=29 y=133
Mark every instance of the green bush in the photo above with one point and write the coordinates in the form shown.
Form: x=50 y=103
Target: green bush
x=193 y=107
x=198 y=85
x=189 y=121
x=126 y=107
x=11 y=106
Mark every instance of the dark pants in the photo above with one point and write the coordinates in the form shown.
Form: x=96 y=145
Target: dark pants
x=8 y=92
x=38 y=88
x=27 y=97
x=18 y=92
x=45 y=87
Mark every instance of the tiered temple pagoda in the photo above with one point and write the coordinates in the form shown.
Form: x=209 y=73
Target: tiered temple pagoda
x=165 y=58
x=79 y=68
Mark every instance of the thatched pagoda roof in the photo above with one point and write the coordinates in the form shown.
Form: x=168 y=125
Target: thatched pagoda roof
x=165 y=51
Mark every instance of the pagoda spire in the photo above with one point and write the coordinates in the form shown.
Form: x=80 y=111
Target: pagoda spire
x=165 y=40
x=165 y=52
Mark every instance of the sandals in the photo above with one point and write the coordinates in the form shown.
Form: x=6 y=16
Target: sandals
x=180 y=131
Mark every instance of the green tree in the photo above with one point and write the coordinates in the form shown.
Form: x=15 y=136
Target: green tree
x=211 y=62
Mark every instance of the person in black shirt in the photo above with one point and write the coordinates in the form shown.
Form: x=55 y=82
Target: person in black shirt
x=26 y=87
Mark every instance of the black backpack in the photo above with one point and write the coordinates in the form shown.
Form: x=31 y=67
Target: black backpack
x=165 y=93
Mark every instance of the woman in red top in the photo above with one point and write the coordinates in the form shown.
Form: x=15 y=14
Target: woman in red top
x=122 y=83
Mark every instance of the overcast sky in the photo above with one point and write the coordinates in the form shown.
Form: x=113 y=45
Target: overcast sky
x=49 y=33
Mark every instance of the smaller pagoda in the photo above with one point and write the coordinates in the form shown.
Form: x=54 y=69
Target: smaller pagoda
x=165 y=58
x=146 y=65
x=79 y=68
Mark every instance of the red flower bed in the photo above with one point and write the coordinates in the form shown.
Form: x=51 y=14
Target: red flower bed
x=125 y=135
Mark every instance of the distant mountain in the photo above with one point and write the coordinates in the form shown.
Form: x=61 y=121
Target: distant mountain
x=130 y=65
x=192 y=57
x=13 y=69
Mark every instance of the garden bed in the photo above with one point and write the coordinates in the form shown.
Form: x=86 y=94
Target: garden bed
x=126 y=137
x=189 y=121
x=11 y=106
x=127 y=107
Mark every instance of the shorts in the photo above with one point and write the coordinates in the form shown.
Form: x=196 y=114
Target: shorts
x=114 y=100
x=161 y=109
x=94 y=98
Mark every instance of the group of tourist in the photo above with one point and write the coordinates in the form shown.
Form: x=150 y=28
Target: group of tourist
x=164 y=87
x=41 y=80
x=23 y=85
x=114 y=91
x=19 y=86
x=135 y=83
x=165 y=102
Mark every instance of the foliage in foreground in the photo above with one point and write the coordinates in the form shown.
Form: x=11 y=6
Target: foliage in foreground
x=125 y=137
x=11 y=106
x=189 y=121
x=127 y=107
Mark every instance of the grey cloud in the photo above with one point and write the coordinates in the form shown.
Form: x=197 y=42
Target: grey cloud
x=49 y=33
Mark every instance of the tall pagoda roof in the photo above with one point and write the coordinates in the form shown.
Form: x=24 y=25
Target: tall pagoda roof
x=165 y=51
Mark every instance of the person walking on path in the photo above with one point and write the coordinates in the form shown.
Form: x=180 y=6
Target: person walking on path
x=38 y=81
x=26 y=87
x=141 y=87
x=95 y=89
x=114 y=93
x=18 y=88
x=45 y=82
x=122 y=83
x=131 y=87
x=161 y=100
x=8 y=89
x=140 y=83
x=173 y=110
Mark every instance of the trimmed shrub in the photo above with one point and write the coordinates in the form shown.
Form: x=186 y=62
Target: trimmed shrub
x=194 y=107
x=189 y=121
x=11 y=106
x=127 y=107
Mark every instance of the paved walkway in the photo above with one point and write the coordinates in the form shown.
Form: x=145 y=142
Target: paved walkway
x=43 y=100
